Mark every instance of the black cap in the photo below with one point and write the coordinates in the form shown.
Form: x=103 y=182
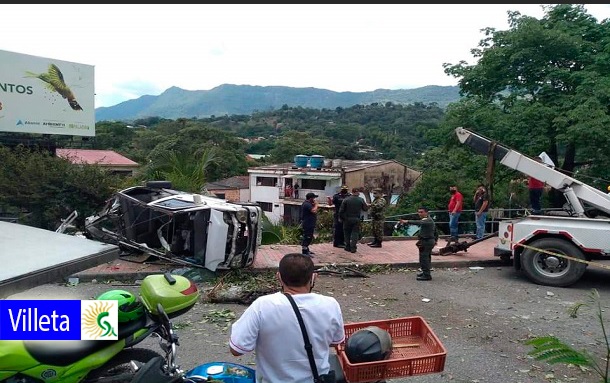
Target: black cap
x=311 y=195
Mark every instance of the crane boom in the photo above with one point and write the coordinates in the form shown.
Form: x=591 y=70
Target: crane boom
x=574 y=190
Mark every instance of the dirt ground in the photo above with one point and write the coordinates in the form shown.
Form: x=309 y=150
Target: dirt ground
x=481 y=316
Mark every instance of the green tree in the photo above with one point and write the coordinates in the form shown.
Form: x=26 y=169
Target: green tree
x=41 y=189
x=293 y=143
x=543 y=85
x=185 y=172
x=190 y=141
x=113 y=135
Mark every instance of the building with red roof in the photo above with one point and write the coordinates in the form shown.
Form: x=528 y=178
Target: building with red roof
x=108 y=159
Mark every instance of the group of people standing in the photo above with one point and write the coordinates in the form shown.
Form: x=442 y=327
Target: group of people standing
x=349 y=208
x=291 y=191
x=348 y=215
x=456 y=206
x=257 y=328
x=481 y=203
x=347 y=218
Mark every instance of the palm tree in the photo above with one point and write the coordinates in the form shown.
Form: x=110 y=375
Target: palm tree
x=186 y=172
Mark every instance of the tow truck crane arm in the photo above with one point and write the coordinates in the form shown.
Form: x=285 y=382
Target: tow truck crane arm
x=573 y=190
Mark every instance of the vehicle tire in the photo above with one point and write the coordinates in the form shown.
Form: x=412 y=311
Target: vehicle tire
x=550 y=270
x=118 y=369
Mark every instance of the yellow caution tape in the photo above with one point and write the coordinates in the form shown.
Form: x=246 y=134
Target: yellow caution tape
x=589 y=263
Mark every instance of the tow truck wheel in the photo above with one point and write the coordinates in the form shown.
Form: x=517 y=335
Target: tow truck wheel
x=552 y=270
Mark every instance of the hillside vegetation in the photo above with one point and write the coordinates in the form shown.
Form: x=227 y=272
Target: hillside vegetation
x=227 y=100
x=541 y=85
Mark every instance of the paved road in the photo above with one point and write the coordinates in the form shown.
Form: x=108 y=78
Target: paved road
x=396 y=252
x=482 y=317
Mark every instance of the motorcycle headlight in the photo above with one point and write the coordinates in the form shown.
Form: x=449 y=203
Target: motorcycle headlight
x=242 y=215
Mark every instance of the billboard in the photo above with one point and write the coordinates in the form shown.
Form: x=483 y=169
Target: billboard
x=48 y=96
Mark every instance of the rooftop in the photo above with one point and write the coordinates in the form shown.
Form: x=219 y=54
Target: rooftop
x=237 y=182
x=346 y=165
x=91 y=156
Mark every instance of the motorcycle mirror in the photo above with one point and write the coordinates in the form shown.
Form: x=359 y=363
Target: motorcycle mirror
x=164 y=318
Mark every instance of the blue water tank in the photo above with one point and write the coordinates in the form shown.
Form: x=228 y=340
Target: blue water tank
x=300 y=160
x=316 y=161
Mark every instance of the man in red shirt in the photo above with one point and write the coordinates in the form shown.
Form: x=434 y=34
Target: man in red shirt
x=536 y=188
x=456 y=204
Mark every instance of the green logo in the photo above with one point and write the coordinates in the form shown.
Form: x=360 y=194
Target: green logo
x=96 y=323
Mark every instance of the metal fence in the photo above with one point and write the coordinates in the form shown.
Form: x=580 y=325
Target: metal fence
x=467 y=222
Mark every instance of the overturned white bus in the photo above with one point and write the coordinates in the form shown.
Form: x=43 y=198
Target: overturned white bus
x=205 y=230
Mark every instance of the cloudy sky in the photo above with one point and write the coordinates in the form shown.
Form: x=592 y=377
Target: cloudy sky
x=141 y=50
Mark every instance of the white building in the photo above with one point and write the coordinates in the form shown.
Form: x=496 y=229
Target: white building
x=268 y=183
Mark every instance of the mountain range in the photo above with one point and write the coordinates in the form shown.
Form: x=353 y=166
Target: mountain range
x=230 y=99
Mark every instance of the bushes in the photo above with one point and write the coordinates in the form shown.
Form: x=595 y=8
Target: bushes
x=41 y=189
x=281 y=233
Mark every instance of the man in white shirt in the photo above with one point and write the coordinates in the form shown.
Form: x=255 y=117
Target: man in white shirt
x=269 y=326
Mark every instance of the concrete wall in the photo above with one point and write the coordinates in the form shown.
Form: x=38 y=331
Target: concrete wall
x=270 y=194
x=233 y=195
x=244 y=195
x=391 y=175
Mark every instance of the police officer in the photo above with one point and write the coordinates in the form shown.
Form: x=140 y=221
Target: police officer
x=350 y=214
x=377 y=212
x=309 y=216
x=427 y=238
x=338 y=236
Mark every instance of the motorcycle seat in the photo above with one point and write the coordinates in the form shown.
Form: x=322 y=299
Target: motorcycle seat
x=66 y=352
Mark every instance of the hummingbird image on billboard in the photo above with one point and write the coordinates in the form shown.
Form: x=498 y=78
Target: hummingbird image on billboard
x=55 y=83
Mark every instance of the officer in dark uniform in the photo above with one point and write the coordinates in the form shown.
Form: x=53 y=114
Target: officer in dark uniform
x=427 y=239
x=309 y=216
x=338 y=236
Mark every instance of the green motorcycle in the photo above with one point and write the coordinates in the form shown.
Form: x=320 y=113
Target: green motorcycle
x=102 y=361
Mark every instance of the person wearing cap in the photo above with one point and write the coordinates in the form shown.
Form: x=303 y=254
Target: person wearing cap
x=426 y=239
x=377 y=217
x=338 y=236
x=309 y=216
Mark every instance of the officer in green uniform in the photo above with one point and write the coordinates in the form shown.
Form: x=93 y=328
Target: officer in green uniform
x=350 y=212
x=427 y=238
x=377 y=211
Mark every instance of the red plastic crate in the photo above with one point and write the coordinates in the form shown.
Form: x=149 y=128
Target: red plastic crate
x=428 y=357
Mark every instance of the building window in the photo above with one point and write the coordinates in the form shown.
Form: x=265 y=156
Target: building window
x=266 y=206
x=313 y=184
x=220 y=195
x=266 y=181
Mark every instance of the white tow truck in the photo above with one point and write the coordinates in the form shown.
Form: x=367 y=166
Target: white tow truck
x=552 y=250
